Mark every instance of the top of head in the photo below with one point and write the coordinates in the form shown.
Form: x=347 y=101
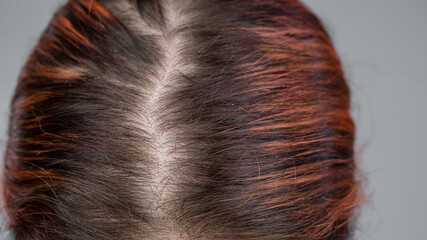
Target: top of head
x=183 y=119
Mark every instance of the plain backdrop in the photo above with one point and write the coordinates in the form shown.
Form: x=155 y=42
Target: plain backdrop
x=383 y=48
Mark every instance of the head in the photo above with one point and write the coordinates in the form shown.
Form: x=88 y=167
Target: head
x=192 y=119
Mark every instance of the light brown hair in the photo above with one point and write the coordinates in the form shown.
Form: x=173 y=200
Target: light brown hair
x=192 y=119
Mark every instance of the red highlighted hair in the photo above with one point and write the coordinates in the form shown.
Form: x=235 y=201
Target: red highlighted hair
x=143 y=119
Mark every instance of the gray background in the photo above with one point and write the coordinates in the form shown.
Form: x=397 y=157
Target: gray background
x=382 y=45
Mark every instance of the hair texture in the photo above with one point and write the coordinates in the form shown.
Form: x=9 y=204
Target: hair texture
x=191 y=119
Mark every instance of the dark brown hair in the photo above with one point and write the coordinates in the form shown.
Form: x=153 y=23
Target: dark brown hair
x=192 y=119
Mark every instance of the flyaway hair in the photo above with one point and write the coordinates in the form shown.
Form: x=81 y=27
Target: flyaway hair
x=181 y=119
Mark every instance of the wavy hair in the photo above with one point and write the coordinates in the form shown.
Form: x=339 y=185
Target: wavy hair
x=190 y=119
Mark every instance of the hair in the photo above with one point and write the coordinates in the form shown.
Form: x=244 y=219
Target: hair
x=192 y=119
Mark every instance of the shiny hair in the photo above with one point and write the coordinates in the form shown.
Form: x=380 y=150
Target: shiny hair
x=192 y=119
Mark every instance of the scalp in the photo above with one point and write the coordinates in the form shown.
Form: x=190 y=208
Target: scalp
x=181 y=120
